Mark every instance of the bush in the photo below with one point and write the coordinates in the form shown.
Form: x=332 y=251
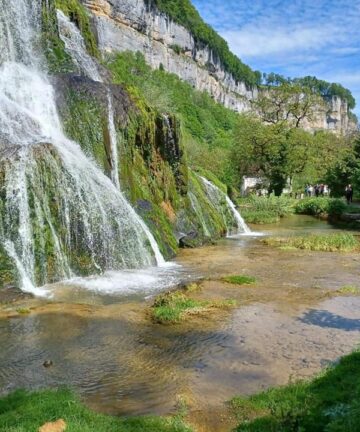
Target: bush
x=321 y=205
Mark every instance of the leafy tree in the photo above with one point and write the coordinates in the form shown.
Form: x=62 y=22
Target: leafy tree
x=287 y=102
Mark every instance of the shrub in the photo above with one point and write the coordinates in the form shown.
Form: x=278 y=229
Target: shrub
x=321 y=205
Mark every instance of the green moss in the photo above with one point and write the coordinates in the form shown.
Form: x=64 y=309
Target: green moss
x=330 y=402
x=58 y=60
x=27 y=412
x=239 y=279
x=85 y=121
x=78 y=14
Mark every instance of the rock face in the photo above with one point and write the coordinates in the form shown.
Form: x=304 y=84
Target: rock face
x=134 y=25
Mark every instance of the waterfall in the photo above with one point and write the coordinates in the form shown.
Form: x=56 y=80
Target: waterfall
x=199 y=213
x=57 y=203
x=218 y=198
x=75 y=46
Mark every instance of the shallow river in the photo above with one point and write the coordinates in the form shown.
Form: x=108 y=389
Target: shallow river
x=98 y=334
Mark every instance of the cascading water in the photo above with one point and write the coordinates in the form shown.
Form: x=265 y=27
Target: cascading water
x=75 y=46
x=217 y=197
x=59 y=208
x=199 y=213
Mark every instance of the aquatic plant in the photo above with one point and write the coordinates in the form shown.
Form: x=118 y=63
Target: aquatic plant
x=338 y=242
x=173 y=307
x=239 y=279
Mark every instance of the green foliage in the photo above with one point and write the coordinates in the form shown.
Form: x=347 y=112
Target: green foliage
x=345 y=169
x=315 y=85
x=339 y=242
x=279 y=205
x=58 y=60
x=26 y=412
x=259 y=217
x=206 y=125
x=266 y=210
x=239 y=280
x=329 y=403
x=349 y=289
x=174 y=307
x=184 y=13
x=78 y=14
x=320 y=205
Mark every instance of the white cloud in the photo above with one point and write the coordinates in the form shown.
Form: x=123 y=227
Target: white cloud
x=254 y=42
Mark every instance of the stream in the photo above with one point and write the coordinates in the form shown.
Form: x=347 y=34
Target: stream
x=102 y=343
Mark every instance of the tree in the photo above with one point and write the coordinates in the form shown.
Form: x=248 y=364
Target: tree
x=287 y=102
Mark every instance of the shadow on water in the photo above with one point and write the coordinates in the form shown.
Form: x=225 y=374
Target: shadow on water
x=326 y=319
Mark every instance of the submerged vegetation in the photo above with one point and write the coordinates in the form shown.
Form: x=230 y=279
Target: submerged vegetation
x=349 y=290
x=26 y=412
x=177 y=306
x=329 y=403
x=338 y=242
x=239 y=279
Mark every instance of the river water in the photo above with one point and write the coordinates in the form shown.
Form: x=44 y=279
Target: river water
x=289 y=325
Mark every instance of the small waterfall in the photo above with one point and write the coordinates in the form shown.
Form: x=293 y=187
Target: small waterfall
x=218 y=198
x=57 y=203
x=199 y=213
x=113 y=144
x=75 y=46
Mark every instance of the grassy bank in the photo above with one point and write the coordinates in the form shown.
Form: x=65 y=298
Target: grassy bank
x=341 y=242
x=26 y=412
x=329 y=403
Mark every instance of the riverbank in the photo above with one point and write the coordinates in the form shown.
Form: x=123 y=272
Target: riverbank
x=289 y=323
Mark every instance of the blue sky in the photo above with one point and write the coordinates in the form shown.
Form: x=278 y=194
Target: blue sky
x=292 y=37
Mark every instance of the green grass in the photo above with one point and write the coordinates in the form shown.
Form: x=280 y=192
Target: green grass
x=259 y=217
x=265 y=210
x=239 y=280
x=349 y=289
x=329 y=403
x=26 y=412
x=174 y=307
x=341 y=242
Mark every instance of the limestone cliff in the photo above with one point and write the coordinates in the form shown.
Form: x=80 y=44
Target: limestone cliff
x=137 y=25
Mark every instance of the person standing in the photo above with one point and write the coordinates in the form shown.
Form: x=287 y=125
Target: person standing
x=349 y=194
